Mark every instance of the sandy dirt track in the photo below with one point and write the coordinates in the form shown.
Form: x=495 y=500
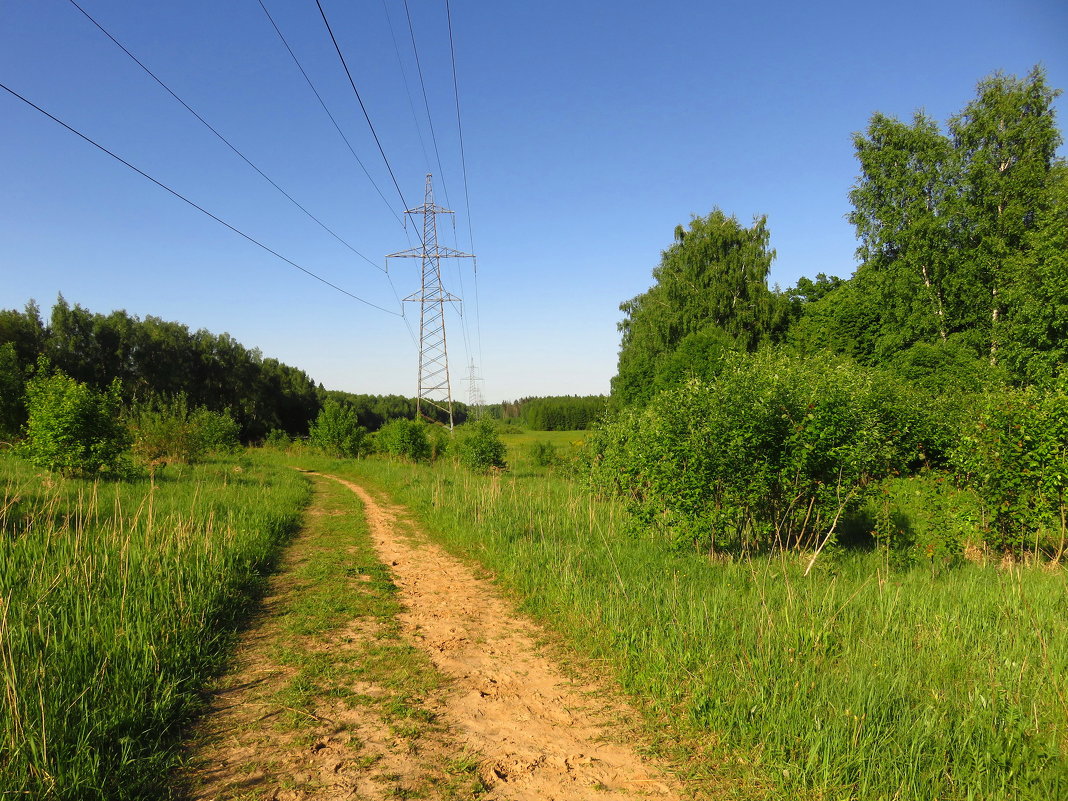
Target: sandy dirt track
x=542 y=738
x=536 y=734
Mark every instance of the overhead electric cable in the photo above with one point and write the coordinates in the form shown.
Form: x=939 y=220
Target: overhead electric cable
x=400 y=303
x=426 y=104
x=322 y=103
x=467 y=194
x=224 y=140
x=201 y=209
x=407 y=85
x=366 y=116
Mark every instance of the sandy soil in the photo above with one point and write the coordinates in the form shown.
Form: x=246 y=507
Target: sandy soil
x=537 y=734
x=541 y=736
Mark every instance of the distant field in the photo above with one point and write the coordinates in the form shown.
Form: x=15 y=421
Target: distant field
x=567 y=443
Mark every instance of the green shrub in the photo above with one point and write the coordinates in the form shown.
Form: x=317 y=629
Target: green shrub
x=1015 y=455
x=440 y=439
x=479 y=447
x=166 y=431
x=337 y=432
x=542 y=453
x=404 y=439
x=12 y=392
x=73 y=429
x=924 y=519
x=277 y=438
x=772 y=454
x=218 y=431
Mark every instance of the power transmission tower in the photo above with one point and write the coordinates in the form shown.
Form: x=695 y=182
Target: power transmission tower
x=434 y=386
x=474 y=391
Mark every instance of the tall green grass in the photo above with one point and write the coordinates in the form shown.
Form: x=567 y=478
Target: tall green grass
x=117 y=602
x=857 y=682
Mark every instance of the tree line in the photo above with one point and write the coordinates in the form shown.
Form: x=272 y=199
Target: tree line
x=154 y=360
x=758 y=417
x=963 y=252
x=552 y=413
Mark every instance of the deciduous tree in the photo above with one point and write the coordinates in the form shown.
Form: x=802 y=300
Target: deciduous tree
x=713 y=276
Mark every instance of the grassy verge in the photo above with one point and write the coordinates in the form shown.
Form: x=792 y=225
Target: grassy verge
x=857 y=682
x=117 y=602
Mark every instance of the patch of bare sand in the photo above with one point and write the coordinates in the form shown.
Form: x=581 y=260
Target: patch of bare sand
x=542 y=737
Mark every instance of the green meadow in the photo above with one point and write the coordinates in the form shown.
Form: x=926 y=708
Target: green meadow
x=117 y=602
x=861 y=680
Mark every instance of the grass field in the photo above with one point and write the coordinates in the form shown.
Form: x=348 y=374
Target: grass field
x=859 y=681
x=519 y=441
x=117 y=602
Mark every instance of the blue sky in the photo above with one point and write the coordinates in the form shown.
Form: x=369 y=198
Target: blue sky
x=590 y=130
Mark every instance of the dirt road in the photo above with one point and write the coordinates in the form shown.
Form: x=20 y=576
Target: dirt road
x=530 y=732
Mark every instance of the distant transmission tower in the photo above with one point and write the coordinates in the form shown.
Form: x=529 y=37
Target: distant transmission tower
x=474 y=391
x=434 y=386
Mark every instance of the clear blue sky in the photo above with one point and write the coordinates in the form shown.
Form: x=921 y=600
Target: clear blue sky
x=591 y=129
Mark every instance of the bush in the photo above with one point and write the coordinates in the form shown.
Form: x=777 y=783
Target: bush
x=1015 y=456
x=542 y=453
x=277 y=438
x=218 y=431
x=772 y=454
x=337 y=432
x=923 y=519
x=439 y=438
x=479 y=447
x=166 y=431
x=12 y=392
x=72 y=428
x=404 y=439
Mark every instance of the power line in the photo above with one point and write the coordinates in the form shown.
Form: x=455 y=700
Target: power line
x=366 y=116
x=407 y=85
x=222 y=138
x=201 y=209
x=467 y=193
x=426 y=103
x=327 y=110
x=400 y=303
x=435 y=387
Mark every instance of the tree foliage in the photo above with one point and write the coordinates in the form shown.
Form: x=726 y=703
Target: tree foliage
x=899 y=213
x=374 y=411
x=153 y=358
x=567 y=413
x=713 y=278
x=72 y=428
x=404 y=439
x=337 y=432
x=961 y=237
x=961 y=293
x=479 y=446
x=12 y=392
x=771 y=454
x=1036 y=302
x=553 y=412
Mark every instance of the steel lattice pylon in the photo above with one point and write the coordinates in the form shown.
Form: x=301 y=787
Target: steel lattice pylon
x=435 y=388
x=474 y=392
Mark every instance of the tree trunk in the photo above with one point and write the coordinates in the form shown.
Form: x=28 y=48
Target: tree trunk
x=939 y=308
